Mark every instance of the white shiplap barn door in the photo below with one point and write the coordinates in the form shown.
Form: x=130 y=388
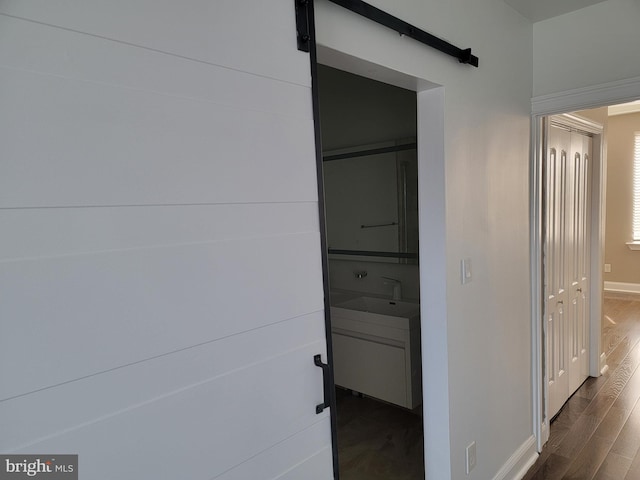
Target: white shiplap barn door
x=566 y=258
x=161 y=295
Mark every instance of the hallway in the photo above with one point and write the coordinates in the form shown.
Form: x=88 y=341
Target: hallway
x=596 y=436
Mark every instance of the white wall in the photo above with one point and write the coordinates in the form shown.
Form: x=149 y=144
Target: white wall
x=591 y=46
x=485 y=378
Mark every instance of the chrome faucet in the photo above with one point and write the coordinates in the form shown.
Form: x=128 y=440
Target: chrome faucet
x=397 y=286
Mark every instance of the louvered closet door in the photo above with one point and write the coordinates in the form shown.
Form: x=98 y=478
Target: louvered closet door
x=160 y=263
x=566 y=258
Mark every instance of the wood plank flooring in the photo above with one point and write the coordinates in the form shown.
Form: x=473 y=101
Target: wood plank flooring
x=596 y=435
x=378 y=441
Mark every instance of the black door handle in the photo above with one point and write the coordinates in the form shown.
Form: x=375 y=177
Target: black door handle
x=326 y=381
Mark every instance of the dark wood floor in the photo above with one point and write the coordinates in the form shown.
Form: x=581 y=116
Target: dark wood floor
x=597 y=433
x=378 y=441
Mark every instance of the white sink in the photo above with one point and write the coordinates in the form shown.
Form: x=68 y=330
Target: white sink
x=381 y=306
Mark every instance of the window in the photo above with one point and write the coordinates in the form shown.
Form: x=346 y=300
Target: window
x=636 y=189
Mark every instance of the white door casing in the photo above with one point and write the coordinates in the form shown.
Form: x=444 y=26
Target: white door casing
x=542 y=106
x=161 y=276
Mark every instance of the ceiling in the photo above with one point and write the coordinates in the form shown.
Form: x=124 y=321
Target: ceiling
x=536 y=10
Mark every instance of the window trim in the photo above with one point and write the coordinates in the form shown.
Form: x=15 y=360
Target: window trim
x=634 y=244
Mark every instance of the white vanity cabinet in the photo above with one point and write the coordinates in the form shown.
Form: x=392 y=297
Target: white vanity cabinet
x=376 y=349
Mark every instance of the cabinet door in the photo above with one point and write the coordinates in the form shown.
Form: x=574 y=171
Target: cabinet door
x=374 y=367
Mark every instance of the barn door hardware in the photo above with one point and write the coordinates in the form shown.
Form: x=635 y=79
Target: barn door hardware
x=326 y=380
x=302 y=24
x=404 y=28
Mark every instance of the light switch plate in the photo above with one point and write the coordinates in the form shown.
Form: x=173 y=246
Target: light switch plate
x=470 y=457
x=465 y=271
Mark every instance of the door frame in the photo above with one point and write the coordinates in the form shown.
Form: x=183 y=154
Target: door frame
x=431 y=251
x=328 y=373
x=541 y=107
x=581 y=125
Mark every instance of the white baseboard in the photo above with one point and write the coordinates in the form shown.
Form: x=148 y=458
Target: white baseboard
x=622 y=287
x=520 y=462
x=603 y=363
x=544 y=432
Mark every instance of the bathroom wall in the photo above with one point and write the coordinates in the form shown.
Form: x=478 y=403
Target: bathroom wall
x=357 y=111
x=342 y=275
x=362 y=191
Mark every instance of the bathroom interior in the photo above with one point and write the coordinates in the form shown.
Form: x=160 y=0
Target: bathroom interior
x=369 y=132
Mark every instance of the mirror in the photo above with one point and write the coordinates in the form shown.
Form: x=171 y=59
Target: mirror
x=369 y=134
x=371 y=201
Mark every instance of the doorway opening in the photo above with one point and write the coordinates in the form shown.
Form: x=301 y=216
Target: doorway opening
x=593 y=126
x=568 y=172
x=370 y=164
